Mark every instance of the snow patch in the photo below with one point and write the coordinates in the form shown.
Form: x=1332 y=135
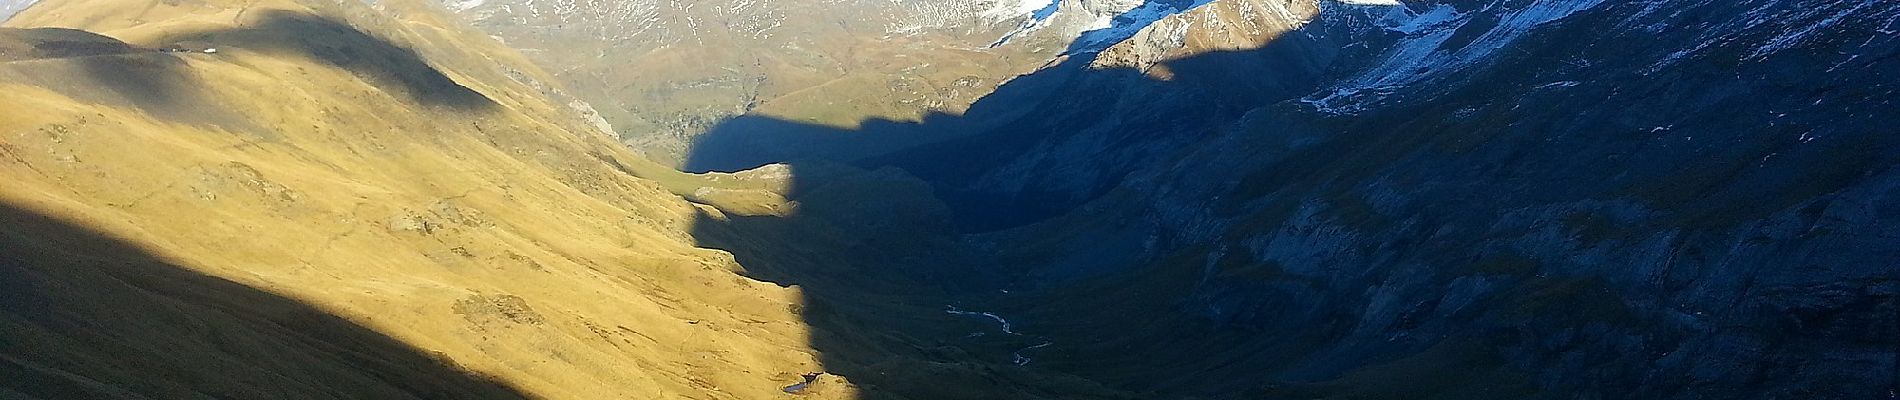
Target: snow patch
x=1557 y=84
x=465 y=5
x=1428 y=20
x=1036 y=9
x=1802 y=32
x=1038 y=18
x=1420 y=55
x=1107 y=31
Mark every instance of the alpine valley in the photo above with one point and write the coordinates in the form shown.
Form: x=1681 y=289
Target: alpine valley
x=951 y=199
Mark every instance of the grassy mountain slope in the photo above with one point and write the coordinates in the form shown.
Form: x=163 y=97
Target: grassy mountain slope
x=339 y=202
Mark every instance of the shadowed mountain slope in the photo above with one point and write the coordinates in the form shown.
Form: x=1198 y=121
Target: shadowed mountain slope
x=1457 y=200
x=88 y=315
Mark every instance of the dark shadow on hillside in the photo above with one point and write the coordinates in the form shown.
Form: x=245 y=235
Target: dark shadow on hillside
x=17 y=44
x=111 y=72
x=87 y=315
x=158 y=78
x=879 y=263
x=1095 y=121
x=392 y=67
x=881 y=255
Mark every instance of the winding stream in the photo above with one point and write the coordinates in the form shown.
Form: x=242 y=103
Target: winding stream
x=1003 y=324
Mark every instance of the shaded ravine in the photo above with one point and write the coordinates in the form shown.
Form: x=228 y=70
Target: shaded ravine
x=877 y=253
